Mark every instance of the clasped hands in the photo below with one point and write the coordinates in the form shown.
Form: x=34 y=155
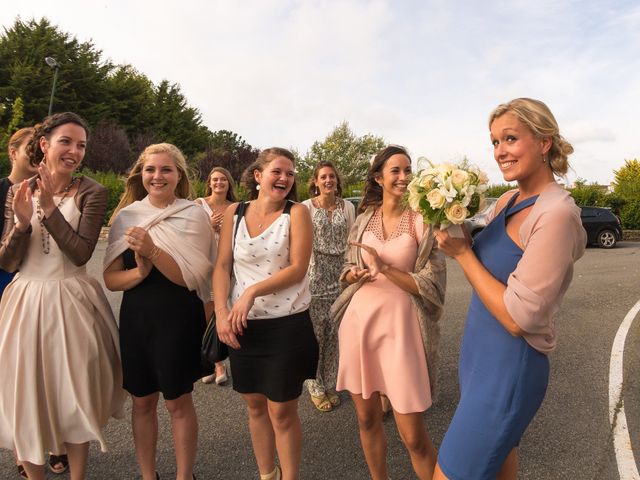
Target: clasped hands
x=376 y=265
x=142 y=245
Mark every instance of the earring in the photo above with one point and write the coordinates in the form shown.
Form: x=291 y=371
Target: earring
x=544 y=158
x=317 y=190
x=258 y=187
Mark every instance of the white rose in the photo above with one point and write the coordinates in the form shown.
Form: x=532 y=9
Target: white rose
x=459 y=178
x=436 y=199
x=456 y=213
x=426 y=181
x=414 y=200
x=444 y=169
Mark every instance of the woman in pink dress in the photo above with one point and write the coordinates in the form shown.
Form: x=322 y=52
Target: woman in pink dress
x=388 y=335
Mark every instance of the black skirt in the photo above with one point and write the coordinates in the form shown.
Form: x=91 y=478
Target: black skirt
x=161 y=328
x=276 y=356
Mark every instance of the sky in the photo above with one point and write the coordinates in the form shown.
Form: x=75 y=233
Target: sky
x=424 y=74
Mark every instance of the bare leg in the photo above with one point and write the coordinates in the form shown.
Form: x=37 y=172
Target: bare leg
x=184 y=426
x=509 y=469
x=438 y=475
x=262 y=435
x=144 y=420
x=34 y=472
x=288 y=434
x=372 y=436
x=415 y=437
x=77 y=453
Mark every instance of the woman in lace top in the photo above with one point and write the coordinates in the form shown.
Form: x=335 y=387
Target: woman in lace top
x=388 y=335
x=332 y=219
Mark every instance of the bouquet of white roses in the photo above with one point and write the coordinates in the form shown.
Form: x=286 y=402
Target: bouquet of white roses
x=447 y=194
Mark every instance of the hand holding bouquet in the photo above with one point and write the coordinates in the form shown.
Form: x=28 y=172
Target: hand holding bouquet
x=447 y=194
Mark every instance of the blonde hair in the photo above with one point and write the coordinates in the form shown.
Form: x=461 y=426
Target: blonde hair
x=231 y=191
x=19 y=137
x=537 y=117
x=134 y=190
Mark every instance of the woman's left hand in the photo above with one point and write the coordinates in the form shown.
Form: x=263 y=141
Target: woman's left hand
x=452 y=246
x=376 y=265
x=240 y=311
x=139 y=241
x=45 y=189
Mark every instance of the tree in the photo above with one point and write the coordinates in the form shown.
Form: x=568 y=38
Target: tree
x=626 y=183
x=16 y=122
x=108 y=149
x=229 y=150
x=24 y=73
x=348 y=152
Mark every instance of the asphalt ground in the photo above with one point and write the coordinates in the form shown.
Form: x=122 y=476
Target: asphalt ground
x=570 y=438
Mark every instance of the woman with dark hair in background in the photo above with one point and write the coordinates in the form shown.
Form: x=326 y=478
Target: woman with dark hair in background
x=520 y=266
x=160 y=245
x=262 y=308
x=58 y=337
x=388 y=334
x=219 y=194
x=332 y=219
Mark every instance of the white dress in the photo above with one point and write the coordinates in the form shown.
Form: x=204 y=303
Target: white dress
x=61 y=376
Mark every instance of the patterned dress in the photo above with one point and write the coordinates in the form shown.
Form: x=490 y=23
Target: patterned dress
x=330 y=231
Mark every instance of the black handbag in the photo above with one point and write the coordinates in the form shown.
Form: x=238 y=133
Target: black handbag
x=212 y=349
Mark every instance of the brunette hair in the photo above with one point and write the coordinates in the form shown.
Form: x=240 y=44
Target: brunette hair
x=314 y=191
x=537 y=117
x=372 y=191
x=134 y=190
x=46 y=128
x=264 y=158
x=231 y=191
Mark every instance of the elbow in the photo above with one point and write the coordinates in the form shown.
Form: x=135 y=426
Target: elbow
x=514 y=329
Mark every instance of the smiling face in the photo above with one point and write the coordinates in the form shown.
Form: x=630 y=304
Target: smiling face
x=518 y=151
x=65 y=148
x=219 y=183
x=277 y=177
x=160 y=177
x=396 y=175
x=326 y=181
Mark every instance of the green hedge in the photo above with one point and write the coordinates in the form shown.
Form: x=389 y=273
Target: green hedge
x=114 y=184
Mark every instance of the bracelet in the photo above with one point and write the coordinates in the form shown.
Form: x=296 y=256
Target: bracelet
x=155 y=253
x=211 y=296
x=221 y=308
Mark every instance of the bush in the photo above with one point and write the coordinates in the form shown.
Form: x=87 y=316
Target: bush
x=495 y=191
x=589 y=195
x=115 y=185
x=630 y=216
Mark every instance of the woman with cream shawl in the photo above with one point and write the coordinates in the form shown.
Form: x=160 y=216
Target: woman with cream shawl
x=159 y=249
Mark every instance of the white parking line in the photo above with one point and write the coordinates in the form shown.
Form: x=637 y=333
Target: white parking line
x=621 y=441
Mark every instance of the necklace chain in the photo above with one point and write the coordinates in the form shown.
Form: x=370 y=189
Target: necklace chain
x=44 y=233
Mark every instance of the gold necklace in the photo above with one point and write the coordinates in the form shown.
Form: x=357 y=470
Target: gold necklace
x=44 y=233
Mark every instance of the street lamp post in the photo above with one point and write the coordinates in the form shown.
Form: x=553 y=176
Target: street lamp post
x=55 y=65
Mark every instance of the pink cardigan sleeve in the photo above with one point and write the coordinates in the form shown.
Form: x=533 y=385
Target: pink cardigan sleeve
x=553 y=240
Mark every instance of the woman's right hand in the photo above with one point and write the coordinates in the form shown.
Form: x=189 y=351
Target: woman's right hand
x=23 y=206
x=223 y=327
x=216 y=221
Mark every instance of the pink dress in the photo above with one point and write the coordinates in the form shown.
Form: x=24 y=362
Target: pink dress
x=379 y=338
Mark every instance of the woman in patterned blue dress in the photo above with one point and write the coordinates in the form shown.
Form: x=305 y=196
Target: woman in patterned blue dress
x=520 y=267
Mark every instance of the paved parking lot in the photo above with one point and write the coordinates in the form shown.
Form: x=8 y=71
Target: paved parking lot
x=569 y=439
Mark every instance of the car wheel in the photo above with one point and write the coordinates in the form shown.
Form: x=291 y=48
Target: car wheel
x=607 y=239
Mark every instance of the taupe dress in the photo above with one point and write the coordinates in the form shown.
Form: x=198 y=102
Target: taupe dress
x=61 y=375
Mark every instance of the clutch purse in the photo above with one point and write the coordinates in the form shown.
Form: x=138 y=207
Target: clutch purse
x=212 y=350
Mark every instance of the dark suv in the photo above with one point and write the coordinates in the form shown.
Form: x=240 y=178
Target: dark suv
x=602 y=226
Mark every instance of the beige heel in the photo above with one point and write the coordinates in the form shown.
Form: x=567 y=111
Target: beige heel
x=275 y=475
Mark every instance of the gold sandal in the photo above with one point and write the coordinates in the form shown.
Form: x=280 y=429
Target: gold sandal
x=322 y=403
x=275 y=475
x=333 y=397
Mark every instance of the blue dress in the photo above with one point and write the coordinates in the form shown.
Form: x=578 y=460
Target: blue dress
x=503 y=379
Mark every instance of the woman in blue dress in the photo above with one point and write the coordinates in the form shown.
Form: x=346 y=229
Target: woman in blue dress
x=520 y=267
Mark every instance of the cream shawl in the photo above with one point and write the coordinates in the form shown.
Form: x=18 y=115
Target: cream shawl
x=182 y=230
